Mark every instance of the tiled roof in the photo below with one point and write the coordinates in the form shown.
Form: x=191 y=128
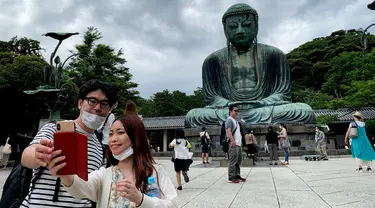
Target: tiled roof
x=174 y=122
x=347 y=114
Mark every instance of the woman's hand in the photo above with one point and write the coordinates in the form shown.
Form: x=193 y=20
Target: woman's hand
x=56 y=163
x=128 y=190
x=346 y=141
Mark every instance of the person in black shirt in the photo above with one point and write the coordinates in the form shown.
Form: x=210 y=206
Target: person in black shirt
x=272 y=141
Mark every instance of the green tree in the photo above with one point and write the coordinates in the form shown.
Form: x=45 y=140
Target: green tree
x=21 y=68
x=174 y=103
x=99 y=61
x=196 y=100
x=326 y=119
x=324 y=70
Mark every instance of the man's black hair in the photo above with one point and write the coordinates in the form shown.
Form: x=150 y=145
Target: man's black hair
x=203 y=128
x=231 y=107
x=180 y=134
x=110 y=91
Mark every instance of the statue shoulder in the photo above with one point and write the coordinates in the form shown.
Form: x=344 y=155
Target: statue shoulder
x=216 y=56
x=269 y=48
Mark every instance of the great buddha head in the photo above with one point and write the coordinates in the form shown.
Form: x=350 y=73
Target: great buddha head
x=240 y=24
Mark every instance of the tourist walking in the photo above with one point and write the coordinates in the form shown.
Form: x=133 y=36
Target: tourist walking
x=235 y=143
x=182 y=157
x=361 y=146
x=205 y=144
x=321 y=143
x=251 y=144
x=284 y=143
x=272 y=141
x=5 y=151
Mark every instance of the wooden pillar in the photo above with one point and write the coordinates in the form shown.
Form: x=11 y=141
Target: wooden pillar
x=165 y=140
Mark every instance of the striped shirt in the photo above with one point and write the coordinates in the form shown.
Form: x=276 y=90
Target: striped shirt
x=42 y=194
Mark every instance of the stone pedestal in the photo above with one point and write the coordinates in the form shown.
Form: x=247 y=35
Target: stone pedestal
x=301 y=136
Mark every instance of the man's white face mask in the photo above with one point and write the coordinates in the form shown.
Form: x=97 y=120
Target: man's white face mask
x=92 y=121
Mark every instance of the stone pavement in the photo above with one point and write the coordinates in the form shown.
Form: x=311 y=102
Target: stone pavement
x=302 y=184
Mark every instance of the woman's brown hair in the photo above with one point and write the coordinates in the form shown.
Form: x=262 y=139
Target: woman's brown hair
x=130 y=109
x=143 y=162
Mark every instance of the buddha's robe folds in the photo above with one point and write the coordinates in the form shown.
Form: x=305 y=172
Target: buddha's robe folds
x=268 y=99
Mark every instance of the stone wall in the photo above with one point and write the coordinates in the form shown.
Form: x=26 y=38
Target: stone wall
x=301 y=136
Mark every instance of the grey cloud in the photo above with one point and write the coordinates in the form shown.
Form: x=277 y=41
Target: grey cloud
x=164 y=41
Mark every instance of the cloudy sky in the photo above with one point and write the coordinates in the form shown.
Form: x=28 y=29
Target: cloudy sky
x=166 y=41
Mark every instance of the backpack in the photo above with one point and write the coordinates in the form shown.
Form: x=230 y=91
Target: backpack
x=204 y=139
x=223 y=134
x=187 y=144
x=17 y=185
x=224 y=140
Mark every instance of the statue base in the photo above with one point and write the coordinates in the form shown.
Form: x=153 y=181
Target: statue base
x=301 y=137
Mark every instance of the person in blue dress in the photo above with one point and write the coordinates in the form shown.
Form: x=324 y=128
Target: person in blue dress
x=361 y=146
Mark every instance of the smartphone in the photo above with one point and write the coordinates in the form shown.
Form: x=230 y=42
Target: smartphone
x=65 y=126
x=73 y=146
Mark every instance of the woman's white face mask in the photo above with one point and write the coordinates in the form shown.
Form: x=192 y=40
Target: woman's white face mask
x=125 y=154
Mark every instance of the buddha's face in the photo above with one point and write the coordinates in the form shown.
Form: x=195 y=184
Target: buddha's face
x=241 y=29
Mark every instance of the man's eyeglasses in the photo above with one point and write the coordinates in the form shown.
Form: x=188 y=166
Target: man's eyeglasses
x=235 y=111
x=104 y=104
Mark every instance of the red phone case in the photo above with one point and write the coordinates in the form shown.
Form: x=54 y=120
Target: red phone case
x=74 y=148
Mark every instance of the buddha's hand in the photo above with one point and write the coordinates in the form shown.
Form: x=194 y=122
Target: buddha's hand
x=218 y=102
x=247 y=104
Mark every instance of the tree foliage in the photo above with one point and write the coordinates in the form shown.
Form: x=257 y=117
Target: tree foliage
x=21 y=68
x=325 y=119
x=334 y=71
x=94 y=60
x=174 y=103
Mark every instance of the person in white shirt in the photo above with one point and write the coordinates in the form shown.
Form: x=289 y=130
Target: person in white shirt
x=205 y=144
x=235 y=150
x=126 y=182
x=182 y=157
x=107 y=128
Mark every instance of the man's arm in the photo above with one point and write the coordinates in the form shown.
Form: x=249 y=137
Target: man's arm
x=229 y=134
x=39 y=153
x=229 y=125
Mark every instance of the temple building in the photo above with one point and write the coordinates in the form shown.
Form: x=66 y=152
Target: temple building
x=161 y=130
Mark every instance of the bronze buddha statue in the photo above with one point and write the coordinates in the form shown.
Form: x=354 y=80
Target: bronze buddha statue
x=251 y=75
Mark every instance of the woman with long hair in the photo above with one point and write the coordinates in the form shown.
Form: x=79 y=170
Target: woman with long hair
x=251 y=144
x=131 y=109
x=284 y=143
x=126 y=183
x=361 y=146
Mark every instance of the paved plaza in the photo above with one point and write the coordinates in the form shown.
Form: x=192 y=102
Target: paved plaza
x=315 y=184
